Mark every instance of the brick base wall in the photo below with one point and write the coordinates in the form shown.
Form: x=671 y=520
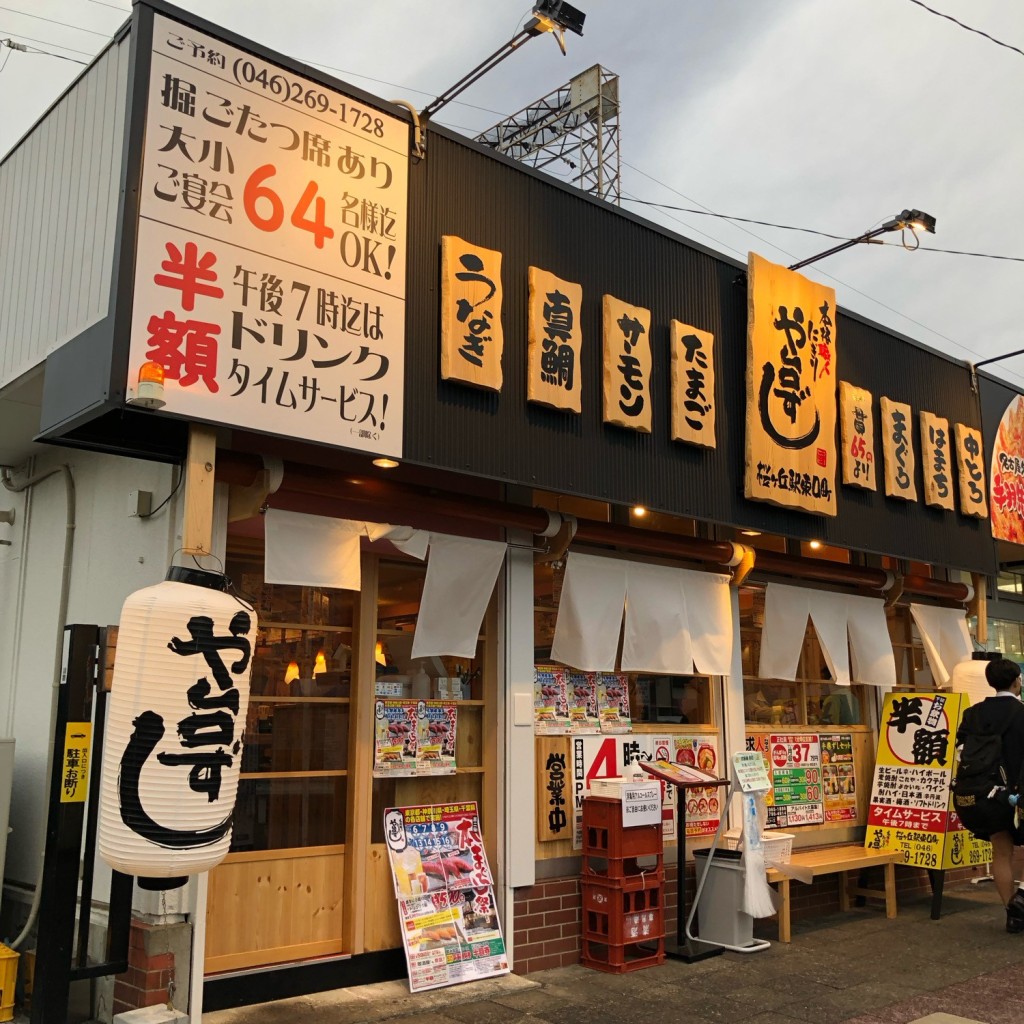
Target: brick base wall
x=547 y=916
x=153 y=974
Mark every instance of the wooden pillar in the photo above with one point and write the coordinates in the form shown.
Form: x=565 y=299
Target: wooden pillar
x=197 y=530
x=979 y=606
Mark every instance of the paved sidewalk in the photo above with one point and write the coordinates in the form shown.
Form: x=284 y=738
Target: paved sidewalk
x=856 y=967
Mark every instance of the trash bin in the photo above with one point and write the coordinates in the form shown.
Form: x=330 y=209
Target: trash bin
x=720 y=917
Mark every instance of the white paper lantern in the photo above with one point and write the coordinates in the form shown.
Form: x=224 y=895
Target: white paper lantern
x=173 y=745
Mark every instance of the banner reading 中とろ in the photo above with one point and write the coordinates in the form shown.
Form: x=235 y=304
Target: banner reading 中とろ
x=450 y=927
x=791 y=389
x=911 y=804
x=271 y=248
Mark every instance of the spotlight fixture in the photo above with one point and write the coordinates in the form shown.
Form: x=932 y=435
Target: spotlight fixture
x=385 y=463
x=751 y=533
x=639 y=511
x=909 y=220
x=815 y=545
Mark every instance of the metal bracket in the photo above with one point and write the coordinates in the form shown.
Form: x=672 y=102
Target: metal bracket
x=419 y=142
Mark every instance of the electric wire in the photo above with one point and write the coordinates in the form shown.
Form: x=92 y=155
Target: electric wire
x=46 y=42
x=24 y=48
x=977 y=31
x=116 y=7
x=64 y=24
x=174 y=491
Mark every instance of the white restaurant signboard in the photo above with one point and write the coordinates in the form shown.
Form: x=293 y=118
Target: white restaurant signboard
x=270 y=265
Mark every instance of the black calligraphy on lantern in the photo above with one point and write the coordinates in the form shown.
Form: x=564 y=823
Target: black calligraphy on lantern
x=206 y=737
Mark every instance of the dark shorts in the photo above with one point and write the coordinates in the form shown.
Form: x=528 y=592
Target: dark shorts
x=984 y=818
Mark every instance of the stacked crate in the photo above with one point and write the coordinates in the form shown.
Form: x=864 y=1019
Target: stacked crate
x=623 y=890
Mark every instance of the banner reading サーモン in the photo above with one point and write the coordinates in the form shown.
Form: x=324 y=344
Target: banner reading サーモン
x=911 y=806
x=791 y=389
x=271 y=248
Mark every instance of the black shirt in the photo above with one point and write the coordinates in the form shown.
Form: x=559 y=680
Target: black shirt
x=1004 y=715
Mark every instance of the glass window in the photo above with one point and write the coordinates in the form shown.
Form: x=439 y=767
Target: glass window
x=810 y=699
x=292 y=790
x=683 y=699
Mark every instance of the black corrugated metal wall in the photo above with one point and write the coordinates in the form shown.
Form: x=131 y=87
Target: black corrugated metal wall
x=461 y=190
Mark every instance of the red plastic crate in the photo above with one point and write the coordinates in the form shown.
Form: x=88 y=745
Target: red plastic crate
x=604 y=836
x=619 y=959
x=618 y=917
x=625 y=872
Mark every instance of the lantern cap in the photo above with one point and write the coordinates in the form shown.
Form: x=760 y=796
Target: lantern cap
x=198 y=577
x=161 y=884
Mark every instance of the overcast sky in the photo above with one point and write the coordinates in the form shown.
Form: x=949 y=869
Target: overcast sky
x=826 y=114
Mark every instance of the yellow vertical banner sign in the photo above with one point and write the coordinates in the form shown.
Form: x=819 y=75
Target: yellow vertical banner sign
x=555 y=342
x=472 y=339
x=857 y=429
x=898 y=449
x=693 y=385
x=970 y=466
x=627 y=365
x=936 y=466
x=74 y=785
x=911 y=807
x=791 y=389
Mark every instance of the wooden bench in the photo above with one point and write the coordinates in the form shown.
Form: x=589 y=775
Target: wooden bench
x=829 y=860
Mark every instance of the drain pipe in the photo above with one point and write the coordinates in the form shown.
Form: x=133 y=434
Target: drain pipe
x=62 y=617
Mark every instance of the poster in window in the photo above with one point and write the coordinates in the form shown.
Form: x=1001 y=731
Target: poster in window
x=550 y=701
x=898 y=449
x=839 y=779
x=970 y=466
x=911 y=807
x=613 y=703
x=270 y=266
x=857 y=432
x=436 y=725
x=472 y=339
x=581 y=694
x=1007 y=475
x=394 y=747
x=791 y=389
x=693 y=385
x=627 y=365
x=703 y=806
x=936 y=461
x=795 y=766
x=555 y=342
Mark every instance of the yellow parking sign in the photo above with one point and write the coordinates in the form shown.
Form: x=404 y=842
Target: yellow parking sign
x=75 y=774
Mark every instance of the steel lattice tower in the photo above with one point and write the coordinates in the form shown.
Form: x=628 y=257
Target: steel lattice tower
x=577 y=126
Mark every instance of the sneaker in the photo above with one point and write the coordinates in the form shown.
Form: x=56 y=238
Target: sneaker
x=1015 y=913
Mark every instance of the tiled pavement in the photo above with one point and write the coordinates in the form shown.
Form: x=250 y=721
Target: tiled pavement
x=857 y=968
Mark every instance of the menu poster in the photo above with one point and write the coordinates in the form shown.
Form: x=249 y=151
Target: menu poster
x=839 y=782
x=450 y=927
x=703 y=806
x=795 y=765
x=611 y=757
x=550 y=702
x=437 y=846
x=911 y=806
x=394 y=747
x=581 y=693
x=436 y=723
x=613 y=703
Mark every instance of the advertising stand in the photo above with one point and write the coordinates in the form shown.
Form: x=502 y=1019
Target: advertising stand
x=686 y=946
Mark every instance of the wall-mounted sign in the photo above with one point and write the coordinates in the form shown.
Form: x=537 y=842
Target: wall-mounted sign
x=1007 y=479
x=553 y=375
x=627 y=365
x=898 y=449
x=970 y=465
x=857 y=428
x=791 y=389
x=271 y=248
x=936 y=464
x=693 y=385
x=472 y=340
